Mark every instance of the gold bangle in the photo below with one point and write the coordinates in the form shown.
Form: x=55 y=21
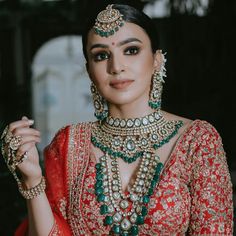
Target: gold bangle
x=32 y=192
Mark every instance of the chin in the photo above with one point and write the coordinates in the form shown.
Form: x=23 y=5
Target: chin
x=121 y=100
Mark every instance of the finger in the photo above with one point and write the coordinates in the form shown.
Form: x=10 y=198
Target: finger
x=29 y=139
x=26 y=131
x=24 y=118
x=20 y=124
x=24 y=148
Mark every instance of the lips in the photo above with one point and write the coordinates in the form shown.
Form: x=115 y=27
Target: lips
x=120 y=84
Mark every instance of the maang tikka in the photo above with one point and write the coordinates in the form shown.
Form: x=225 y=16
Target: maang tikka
x=157 y=85
x=99 y=103
x=108 y=22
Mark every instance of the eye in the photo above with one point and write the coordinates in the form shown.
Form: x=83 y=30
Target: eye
x=100 y=56
x=132 y=50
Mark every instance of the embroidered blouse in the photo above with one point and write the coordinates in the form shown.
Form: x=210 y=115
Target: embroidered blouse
x=193 y=197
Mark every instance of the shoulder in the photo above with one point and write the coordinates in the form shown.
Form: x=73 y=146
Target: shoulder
x=68 y=129
x=63 y=135
x=80 y=127
x=202 y=139
x=198 y=137
x=205 y=147
x=203 y=133
x=195 y=129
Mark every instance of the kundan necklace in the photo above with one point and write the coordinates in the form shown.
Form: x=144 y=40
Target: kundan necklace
x=129 y=139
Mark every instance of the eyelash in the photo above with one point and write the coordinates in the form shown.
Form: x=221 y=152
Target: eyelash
x=134 y=48
x=100 y=56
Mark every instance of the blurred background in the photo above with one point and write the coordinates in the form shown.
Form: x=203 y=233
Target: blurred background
x=42 y=72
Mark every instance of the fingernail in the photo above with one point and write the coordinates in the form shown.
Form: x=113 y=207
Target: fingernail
x=24 y=118
x=31 y=122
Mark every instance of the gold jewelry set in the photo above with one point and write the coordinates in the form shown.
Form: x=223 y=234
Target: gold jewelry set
x=157 y=85
x=99 y=103
x=129 y=140
x=9 y=146
x=33 y=192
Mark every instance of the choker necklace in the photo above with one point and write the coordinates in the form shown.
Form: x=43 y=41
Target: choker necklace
x=129 y=139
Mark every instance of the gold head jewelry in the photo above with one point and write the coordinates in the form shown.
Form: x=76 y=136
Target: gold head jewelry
x=108 y=22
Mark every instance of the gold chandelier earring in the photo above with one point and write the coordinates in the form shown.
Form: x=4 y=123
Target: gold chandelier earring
x=157 y=85
x=99 y=103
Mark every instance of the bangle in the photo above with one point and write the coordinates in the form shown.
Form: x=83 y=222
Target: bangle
x=9 y=145
x=32 y=192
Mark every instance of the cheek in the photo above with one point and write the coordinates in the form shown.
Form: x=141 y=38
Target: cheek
x=96 y=72
x=144 y=62
x=144 y=68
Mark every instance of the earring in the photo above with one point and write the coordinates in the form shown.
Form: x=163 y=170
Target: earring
x=157 y=86
x=98 y=101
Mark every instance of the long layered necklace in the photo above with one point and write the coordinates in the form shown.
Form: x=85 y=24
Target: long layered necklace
x=129 y=139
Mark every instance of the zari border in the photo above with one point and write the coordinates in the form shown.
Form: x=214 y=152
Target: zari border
x=55 y=231
x=78 y=159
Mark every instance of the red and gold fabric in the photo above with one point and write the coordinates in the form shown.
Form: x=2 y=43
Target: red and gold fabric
x=193 y=197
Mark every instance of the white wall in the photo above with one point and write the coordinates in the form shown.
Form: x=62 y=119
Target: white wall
x=60 y=86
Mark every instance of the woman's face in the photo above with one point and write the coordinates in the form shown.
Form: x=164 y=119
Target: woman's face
x=121 y=66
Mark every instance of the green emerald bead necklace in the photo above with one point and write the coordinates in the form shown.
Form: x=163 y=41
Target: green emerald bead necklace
x=125 y=212
x=129 y=139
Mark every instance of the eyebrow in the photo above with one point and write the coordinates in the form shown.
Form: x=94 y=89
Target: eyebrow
x=129 y=40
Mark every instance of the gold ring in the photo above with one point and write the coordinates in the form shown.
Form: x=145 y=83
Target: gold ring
x=8 y=137
x=15 y=142
x=13 y=162
x=22 y=158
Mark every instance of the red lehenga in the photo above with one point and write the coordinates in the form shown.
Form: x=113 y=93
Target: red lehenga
x=193 y=197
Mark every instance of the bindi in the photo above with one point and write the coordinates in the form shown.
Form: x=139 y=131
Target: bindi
x=113 y=43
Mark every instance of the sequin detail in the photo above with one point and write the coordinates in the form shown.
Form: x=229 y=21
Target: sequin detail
x=193 y=197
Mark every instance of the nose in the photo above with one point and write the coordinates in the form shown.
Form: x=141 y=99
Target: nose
x=115 y=65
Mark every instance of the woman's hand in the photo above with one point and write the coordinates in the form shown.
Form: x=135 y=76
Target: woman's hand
x=30 y=168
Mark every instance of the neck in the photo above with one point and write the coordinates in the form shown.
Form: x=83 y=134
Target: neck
x=133 y=110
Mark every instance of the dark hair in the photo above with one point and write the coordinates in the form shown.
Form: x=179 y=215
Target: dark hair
x=131 y=15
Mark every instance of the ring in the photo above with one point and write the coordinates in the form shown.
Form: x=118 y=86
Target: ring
x=8 y=136
x=15 y=142
x=13 y=162
x=22 y=158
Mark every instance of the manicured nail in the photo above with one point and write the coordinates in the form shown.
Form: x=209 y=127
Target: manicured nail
x=31 y=122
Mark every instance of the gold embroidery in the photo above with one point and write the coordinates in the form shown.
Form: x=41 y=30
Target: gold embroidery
x=175 y=208
x=62 y=207
x=55 y=230
x=78 y=158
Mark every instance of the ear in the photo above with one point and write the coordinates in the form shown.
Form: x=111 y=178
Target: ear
x=158 y=60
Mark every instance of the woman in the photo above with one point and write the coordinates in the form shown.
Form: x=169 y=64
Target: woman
x=136 y=171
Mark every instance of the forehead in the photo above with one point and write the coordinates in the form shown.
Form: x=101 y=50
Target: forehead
x=129 y=30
